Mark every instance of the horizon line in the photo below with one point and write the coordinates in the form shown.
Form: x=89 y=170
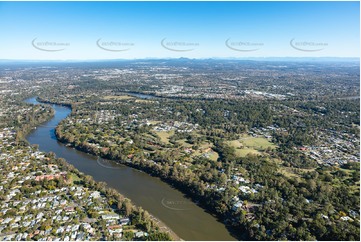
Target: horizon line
x=179 y=58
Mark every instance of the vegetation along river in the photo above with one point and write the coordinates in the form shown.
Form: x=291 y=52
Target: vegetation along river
x=184 y=217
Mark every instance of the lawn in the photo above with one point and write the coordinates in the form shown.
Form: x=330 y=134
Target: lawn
x=245 y=151
x=74 y=178
x=214 y=156
x=154 y=122
x=236 y=144
x=164 y=135
x=205 y=145
x=258 y=143
x=123 y=97
x=184 y=143
x=250 y=145
x=143 y=101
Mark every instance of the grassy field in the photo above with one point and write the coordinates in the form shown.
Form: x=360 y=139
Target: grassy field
x=154 y=122
x=258 y=143
x=250 y=145
x=288 y=171
x=124 y=97
x=237 y=144
x=245 y=151
x=143 y=101
x=184 y=143
x=74 y=178
x=201 y=150
x=164 y=135
x=214 y=156
x=204 y=146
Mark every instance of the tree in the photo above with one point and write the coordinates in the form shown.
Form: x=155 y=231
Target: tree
x=128 y=235
x=127 y=207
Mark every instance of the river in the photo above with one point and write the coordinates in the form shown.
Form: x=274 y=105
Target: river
x=180 y=214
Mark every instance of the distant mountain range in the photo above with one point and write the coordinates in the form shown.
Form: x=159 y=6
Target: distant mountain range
x=317 y=59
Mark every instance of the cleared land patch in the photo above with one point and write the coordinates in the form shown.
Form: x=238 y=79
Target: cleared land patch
x=164 y=135
x=123 y=97
x=250 y=145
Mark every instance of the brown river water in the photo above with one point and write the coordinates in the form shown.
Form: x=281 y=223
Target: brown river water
x=180 y=214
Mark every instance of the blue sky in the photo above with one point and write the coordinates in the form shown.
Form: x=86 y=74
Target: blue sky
x=30 y=30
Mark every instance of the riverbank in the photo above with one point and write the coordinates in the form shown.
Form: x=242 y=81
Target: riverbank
x=25 y=129
x=190 y=192
x=163 y=228
x=201 y=201
x=198 y=194
x=84 y=209
x=146 y=191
